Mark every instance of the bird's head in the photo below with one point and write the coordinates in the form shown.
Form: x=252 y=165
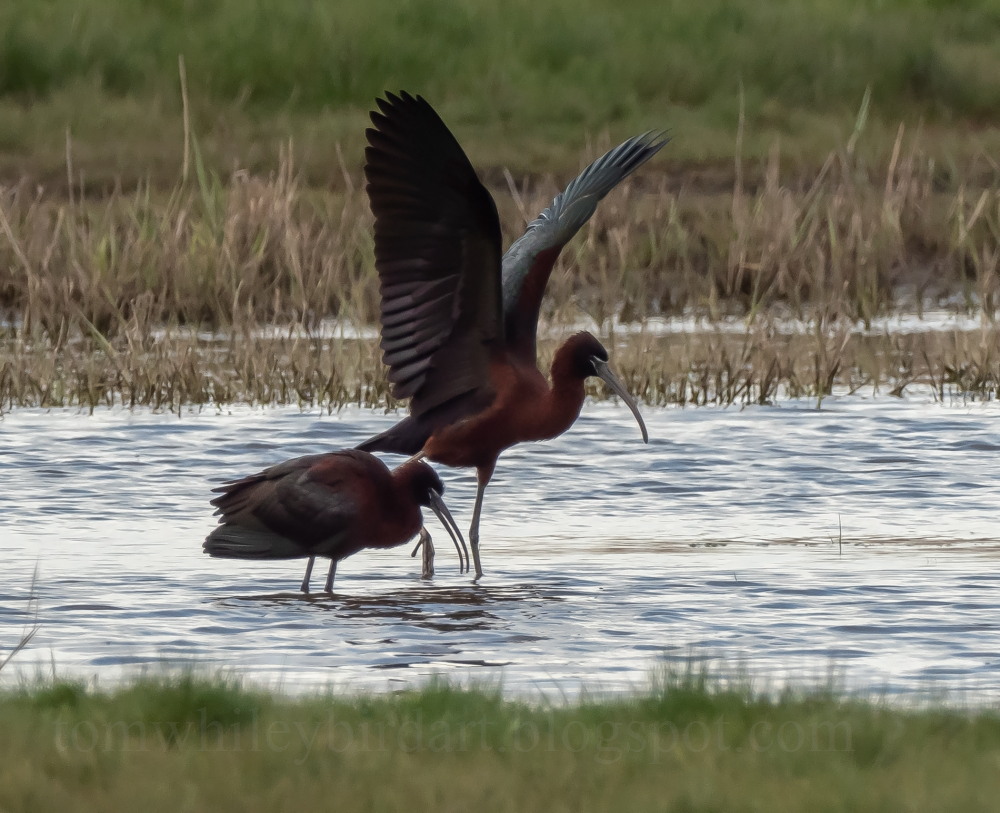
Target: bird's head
x=427 y=488
x=422 y=480
x=583 y=356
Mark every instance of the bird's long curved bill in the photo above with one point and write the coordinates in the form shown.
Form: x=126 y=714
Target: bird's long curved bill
x=609 y=378
x=443 y=514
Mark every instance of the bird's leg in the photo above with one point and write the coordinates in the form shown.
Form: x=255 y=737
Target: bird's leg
x=427 y=560
x=426 y=546
x=483 y=479
x=427 y=557
x=309 y=572
x=329 y=576
x=419 y=545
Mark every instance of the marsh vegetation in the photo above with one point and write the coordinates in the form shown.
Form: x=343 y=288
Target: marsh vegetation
x=264 y=290
x=181 y=187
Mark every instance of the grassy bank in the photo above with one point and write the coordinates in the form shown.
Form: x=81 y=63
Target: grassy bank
x=527 y=84
x=688 y=745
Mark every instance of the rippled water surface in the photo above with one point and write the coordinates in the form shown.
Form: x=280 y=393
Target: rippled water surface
x=781 y=541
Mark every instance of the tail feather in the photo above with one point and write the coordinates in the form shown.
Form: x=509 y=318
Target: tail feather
x=406 y=437
x=410 y=434
x=236 y=542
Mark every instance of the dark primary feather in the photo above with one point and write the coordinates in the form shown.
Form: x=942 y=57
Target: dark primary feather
x=528 y=262
x=437 y=253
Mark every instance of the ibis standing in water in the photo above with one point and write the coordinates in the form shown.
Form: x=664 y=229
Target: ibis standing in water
x=329 y=505
x=459 y=318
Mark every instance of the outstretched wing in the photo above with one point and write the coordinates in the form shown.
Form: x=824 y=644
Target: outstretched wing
x=437 y=252
x=528 y=262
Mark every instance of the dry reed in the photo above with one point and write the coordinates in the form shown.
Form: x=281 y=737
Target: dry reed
x=164 y=300
x=30 y=629
x=715 y=365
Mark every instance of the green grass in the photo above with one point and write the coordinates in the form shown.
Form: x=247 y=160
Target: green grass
x=525 y=83
x=689 y=744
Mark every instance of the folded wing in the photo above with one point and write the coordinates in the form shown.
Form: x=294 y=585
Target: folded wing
x=296 y=508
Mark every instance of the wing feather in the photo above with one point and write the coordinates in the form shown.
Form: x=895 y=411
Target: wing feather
x=306 y=503
x=529 y=261
x=437 y=253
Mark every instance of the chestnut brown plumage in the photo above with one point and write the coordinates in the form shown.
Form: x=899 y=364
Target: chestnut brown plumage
x=331 y=505
x=459 y=318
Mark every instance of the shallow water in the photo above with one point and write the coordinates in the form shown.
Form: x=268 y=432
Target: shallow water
x=781 y=542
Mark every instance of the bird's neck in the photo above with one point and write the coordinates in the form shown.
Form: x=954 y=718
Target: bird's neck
x=563 y=401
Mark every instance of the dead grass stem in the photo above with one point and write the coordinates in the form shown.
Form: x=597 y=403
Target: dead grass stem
x=168 y=300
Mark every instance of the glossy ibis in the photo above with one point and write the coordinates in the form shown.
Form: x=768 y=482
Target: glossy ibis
x=458 y=319
x=330 y=505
